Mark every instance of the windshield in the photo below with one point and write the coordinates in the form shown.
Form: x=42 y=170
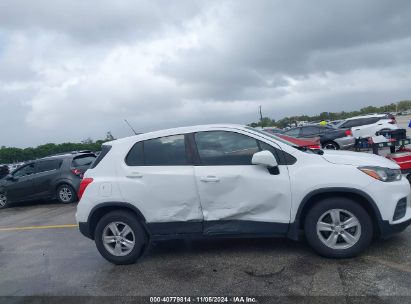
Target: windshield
x=284 y=141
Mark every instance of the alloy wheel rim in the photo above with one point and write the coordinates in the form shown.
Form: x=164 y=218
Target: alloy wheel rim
x=330 y=147
x=338 y=229
x=65 y=194
x=118 y=239
x=3 y=200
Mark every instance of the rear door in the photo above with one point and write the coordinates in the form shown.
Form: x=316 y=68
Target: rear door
x=47 y=172
x=22 y=186
x=236 y=196
x=158 y=178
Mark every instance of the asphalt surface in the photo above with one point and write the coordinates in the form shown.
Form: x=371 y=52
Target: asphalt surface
x=58 y=260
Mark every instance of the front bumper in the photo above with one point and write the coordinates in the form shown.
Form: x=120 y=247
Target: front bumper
x=387 y=229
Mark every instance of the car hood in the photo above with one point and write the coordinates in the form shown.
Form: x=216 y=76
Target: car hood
x=358 y=159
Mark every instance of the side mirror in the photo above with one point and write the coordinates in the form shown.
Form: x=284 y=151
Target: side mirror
x=264 y=158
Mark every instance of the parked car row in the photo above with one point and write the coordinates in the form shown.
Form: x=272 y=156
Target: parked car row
x=55 y=177
x=341 y=134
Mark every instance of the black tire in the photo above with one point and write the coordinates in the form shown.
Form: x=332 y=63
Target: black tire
x=316 y=213
x=3 y=201
x=66 y=194
x=331 y=145
x=139 y=236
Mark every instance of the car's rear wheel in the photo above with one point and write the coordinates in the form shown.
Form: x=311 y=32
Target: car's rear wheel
x=3 y=201
x=120 y=238
x=66 y=194
x=338 y=227
x=330 y=145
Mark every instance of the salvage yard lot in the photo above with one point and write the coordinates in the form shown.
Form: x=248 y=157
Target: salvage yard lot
x=58 y=260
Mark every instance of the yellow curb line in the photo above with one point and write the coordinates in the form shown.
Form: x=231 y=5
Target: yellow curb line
x=38 y=227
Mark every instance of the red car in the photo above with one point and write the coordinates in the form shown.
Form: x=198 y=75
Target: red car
x=311 y=143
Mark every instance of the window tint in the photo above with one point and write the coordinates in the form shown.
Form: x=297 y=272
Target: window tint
x=310 y=131
x=26 y=170
x=135 y=157
x=104 y=150
x=83 y=161
x=371 y=120
x=293 y=132
x=352 y=123
x=165 y=151
x=283 y=158
x=218 y=148
x=48 y=165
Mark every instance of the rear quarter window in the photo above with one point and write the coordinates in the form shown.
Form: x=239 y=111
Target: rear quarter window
x=83 y=161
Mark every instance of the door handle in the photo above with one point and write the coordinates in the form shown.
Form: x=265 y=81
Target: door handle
x=210 y=179
x=135 y=175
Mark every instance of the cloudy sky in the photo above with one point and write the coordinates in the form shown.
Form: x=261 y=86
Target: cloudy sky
x=75 y=69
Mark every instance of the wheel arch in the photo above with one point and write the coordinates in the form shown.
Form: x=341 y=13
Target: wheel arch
x=102 y=209
x=317 y=195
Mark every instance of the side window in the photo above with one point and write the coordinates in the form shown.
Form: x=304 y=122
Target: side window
x=219 y=148
x=165 y=151
x=48 y=165
x=310 y=131
x=26 y=170
x=352 y=123
x=371 y=120
x=135 y=157
x=293 y=132
x=283 y=158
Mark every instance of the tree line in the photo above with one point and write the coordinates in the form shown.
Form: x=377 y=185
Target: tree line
x=10 y=155
x=403 y=105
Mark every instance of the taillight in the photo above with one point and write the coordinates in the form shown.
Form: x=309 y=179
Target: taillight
x=348 y=132
x=83 y=185
x=77 y=172
x=314 y=147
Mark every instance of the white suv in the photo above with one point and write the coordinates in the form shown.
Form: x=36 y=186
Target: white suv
x=230 y=181
x=368 y=125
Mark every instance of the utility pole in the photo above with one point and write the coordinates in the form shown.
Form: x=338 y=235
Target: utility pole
x=261 y=115
x=132 y=129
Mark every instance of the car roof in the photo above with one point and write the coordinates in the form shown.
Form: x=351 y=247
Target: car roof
x=63 y=156
x=176 y=131
x=367 y=116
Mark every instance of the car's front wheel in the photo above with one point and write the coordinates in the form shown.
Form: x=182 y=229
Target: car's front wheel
x=3 y=201
x=66 y=194
x=338 y=227
x=120 y=238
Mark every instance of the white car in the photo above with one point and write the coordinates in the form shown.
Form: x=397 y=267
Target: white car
x=230 y=181
x=368 y=125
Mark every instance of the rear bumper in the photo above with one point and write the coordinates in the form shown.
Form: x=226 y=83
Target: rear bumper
x=387 y=229
x=85 y=230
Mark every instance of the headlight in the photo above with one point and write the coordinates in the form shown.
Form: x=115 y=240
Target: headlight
x=382 y=174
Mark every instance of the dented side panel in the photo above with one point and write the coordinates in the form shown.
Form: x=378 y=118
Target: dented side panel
x=244 y=193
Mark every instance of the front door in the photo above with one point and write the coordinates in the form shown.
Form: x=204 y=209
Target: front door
x=236 y=196
x=21 y=187
x=47 y=172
